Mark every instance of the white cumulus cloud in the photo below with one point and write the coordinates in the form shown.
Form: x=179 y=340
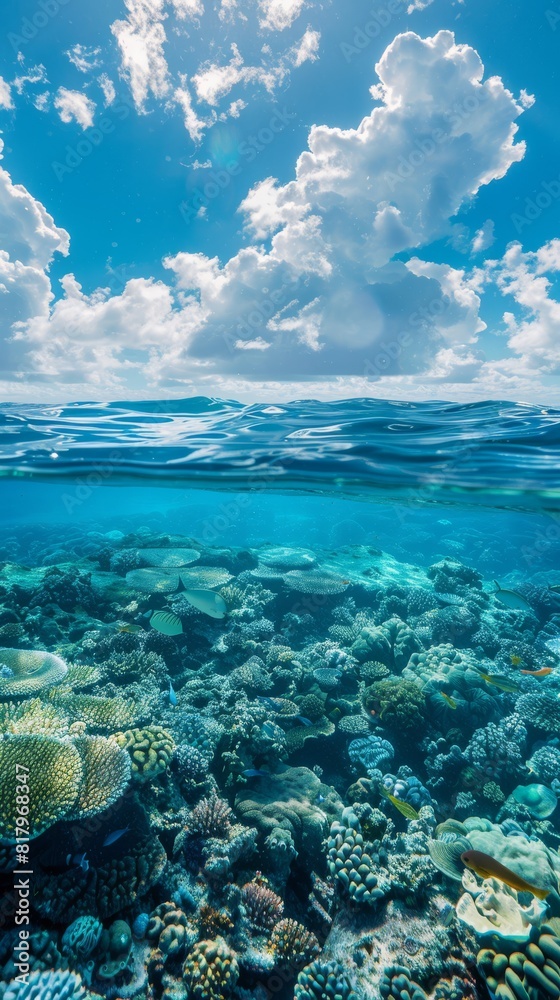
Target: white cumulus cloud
x=72 y=105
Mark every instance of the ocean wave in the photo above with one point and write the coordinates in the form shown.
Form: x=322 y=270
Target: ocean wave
x=351 y=446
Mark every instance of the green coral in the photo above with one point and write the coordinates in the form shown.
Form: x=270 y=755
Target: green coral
x=399 y=705
x=391 y=643
x=211 y=970
x=104 y=715
x=54 y=774
x=29 y=671
x=33 y=716
x=66 y=780
x=81 y=675
x=150 y=751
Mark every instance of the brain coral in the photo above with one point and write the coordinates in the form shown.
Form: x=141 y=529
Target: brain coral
x=47 y=986
x=66 y=780
x=28 y=671
x=288 y=800
x=150 y=751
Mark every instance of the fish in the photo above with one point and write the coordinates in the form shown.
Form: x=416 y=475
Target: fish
x=268 y=730
x=80 y=860
x=254 y=772
x=111 y=838
x=555 y=588
x=128 y=627
x=501 y=682
x=448 y=700
x=166 y=622
x=172 y=695
x=511 y=599
x=408 y=811
x=207 y=601
x=303 y=720
x=487 y=867
x=543 y=672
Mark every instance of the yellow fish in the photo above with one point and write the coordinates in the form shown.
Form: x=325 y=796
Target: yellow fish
x=448 y=700
x=409 y=812
x=500 y=682
x=487 y=867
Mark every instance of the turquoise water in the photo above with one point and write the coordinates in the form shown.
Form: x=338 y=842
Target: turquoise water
x=227 y=634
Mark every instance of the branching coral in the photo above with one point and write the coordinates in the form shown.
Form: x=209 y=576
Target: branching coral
x=212 y=817
x=293 y=945
x=262 y=906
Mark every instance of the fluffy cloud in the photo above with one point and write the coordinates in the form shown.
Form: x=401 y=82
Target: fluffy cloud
x=72 y=105
x=6 y=101
x=276 y=15
x=523 y=276
x=307 y=49
x=30 y=238
x=319 y=291
x=141 y=41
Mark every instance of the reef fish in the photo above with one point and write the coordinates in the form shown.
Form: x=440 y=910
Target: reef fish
x=207 y=601
x=303 y=720
x=116 y=835
x=128 y=627
x=254 y=772
x=487 y=867
x=543 y=672
x=408 y=811
x=448 y=700
x=511 y=599
x=172 y=695
x=166 y=622
x=80 y=860
x=501 y=682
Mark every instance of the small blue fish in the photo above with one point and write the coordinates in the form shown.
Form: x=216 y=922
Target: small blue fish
x=116 y=835
x=320 y=798
x=253 y=772
x=303 y=720
x=268 y=730
x=269 y=702
x=80 y=860
x=172 y=695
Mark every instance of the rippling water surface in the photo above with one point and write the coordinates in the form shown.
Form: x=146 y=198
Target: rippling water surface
x=504 y=453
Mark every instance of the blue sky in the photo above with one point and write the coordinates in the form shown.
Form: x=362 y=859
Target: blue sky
x=275 y=199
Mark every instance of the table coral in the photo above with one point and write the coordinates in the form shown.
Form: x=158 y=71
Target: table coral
x=28 y=671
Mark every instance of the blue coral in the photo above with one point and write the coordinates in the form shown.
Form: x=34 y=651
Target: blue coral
x=47 y=986
x=370 y=752
x=407 y=788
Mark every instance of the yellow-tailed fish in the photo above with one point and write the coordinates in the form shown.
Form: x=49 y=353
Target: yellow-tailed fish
x=409 y=812
x=128 y=627
x=501 y=682
x=448 y=700
x=166 y=622
x=487 y=867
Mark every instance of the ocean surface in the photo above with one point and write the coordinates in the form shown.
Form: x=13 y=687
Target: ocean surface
x=280 y=686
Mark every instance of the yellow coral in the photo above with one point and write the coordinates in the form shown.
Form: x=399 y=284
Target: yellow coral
x=99 y=714
x=33 y=716
x=106 y=774
x=150 y=751
x=27 y=671
x=211 y=970
x=54 y=772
